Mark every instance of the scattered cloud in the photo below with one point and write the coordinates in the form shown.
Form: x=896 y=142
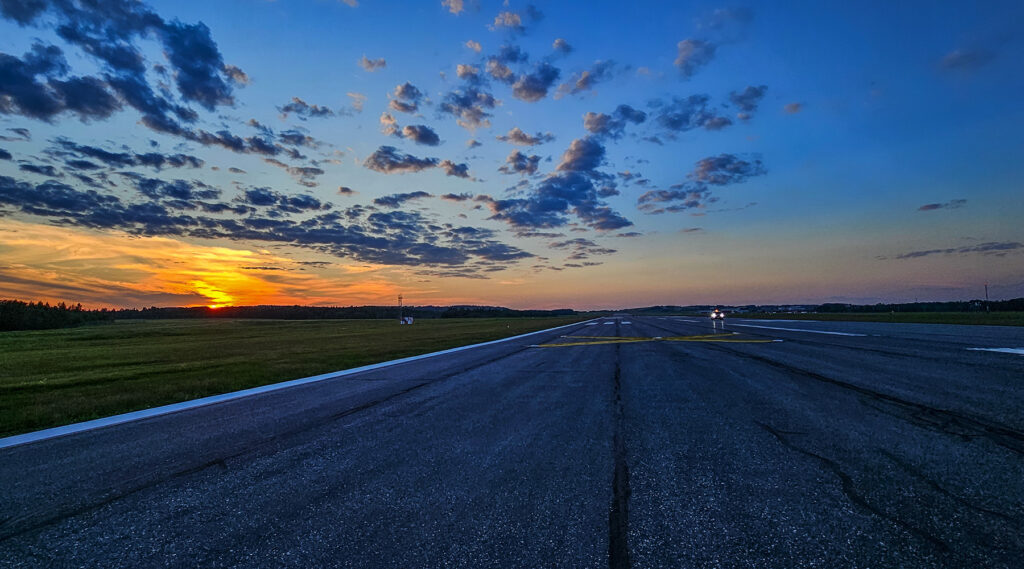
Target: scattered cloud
x=518 y=137
x=474 y=45
x=406 y=98
x=388 y=160
x=454 y=6
x=966 y=60
x=692 y=55
x=532 y=87
x=747 y=100
x=952 y=204
x=586 y=80
x=372 y=65
x=304 y=110
x=421 y=134
x=397 y=200
x=469 y=107
x=695 y=193
x=519 y=163
x=991 y=248
x=562 y=46
x=613 y=125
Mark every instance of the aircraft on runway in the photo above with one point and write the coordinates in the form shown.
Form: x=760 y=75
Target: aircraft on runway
x=717 y=314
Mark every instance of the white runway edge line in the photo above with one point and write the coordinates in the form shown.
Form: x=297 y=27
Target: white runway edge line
x=799 y=330
x=214 y=399
x=1018 y=351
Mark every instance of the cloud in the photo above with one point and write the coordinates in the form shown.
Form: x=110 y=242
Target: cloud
x=468 y=72
x=41 y=169
x=587 y=79
x=397 y=200
x=358 y=100
x=992 y=248
x=966 y=59
x=519 y=163
x=747 y=100
x=793 y=108
x=155 y=160
x=390 y=238
x=372 y=65
x=474 y=45
x=684 y=114
x=304 y=110
x=22 y=93
x=952 y=204
x=421 y=134
x=562 y=46
x=518 y=137
x=508 y=20
x=20 y=135
x=720 y=170
x=457 y=170
x=532 y=87
x=693 y=54
x=346 y=191
x=388 y=125
x=5 y=155
x=583 y=154
x=470 y=107
x=388 y=160
x=406 y=98
x=613 y=126
x=454 y=6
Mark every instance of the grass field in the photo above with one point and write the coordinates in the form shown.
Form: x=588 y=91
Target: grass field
x=977 y=318
x=56 y=377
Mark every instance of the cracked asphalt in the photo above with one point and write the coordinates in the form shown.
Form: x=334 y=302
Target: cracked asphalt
x=642 y=442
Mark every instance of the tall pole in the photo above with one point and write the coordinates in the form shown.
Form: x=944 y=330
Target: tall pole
x=399 y=308
x=986 y=297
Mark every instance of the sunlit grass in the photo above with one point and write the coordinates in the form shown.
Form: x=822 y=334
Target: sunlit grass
x=56 y=377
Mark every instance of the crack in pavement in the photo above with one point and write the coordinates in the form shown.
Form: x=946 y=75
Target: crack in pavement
x=618 y=513
x=851 y=492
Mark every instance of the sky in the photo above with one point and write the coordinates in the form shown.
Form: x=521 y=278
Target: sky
x=588 y=155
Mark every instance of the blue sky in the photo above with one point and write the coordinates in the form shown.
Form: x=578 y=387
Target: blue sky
x=590 y=155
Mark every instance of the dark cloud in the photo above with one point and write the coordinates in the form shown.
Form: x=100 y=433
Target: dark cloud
x=992 y=248
x=372 y=65
x=304 y=175
x=406 y=98
x=109 y=32
x=457 y=197
x=41 y=169
x=304 y=110
x=966 y=59
x=692 y=55
x=5 y=155
x=952 y=204
x=613 y=126
x=346 y=191
x=22 y=92
x=721 y=170
x=518 y=137
x=519 y=163
x=683 y=114
x=747 y=100
x=587 y=79
x=20 y=135
x=388 y=159
x=393 y=238
x=583 y=154
x=469 y=107
x=552 y=200
x=421 y=134
x=155 y=160
x=297 y=138
x=581 y=248
x=532 y=87
x=458 y=170
x=396 y=200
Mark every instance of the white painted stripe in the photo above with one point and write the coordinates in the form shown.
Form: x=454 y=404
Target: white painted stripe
x=799 y=330
x=1018 y=351
x=214 y=399
x=627 y=322
x=608 y=323
x=591 y=324
x=685 y=320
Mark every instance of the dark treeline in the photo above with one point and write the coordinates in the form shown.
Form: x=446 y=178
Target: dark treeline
x=18 y=315
x=1016 y=304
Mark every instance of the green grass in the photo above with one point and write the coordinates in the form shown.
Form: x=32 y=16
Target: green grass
x=978 y=318
x=56 y=377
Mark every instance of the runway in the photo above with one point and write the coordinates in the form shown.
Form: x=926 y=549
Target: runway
x=622 y=442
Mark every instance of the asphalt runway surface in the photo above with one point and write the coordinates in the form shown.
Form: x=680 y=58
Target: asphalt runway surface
x=622 y=442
